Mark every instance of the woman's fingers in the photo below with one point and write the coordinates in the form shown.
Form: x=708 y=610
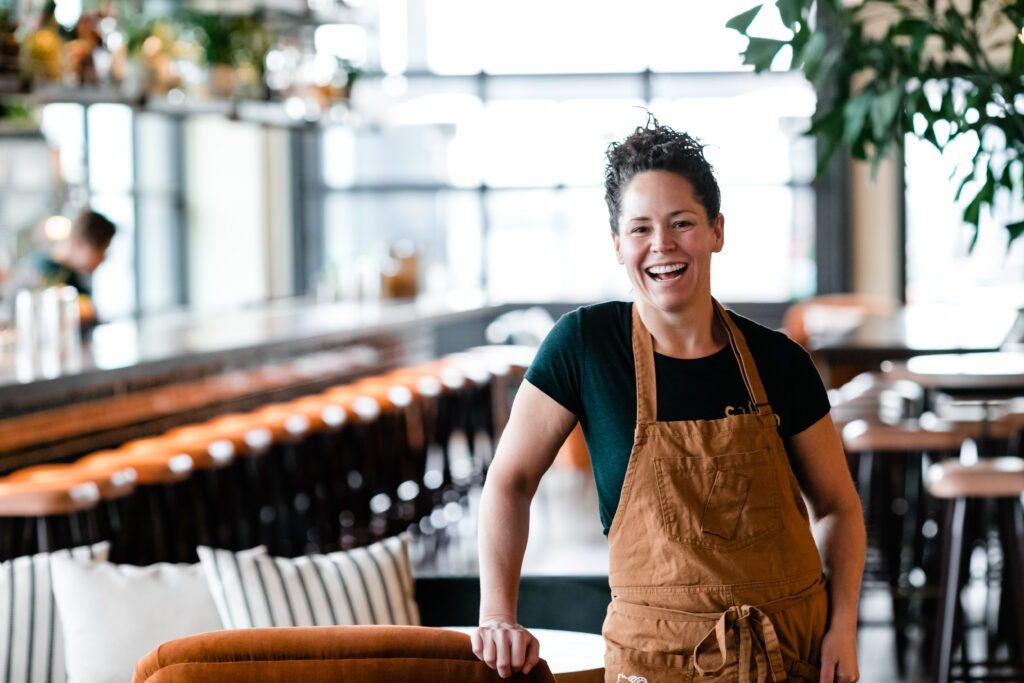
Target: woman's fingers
x=489 y=649
x=532 y=654
x=517 y=651
x=506 y=648
x=502 y=642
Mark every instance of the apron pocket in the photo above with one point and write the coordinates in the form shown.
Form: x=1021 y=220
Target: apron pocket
x=722 y=503
x=727 y=498
x=624 y=665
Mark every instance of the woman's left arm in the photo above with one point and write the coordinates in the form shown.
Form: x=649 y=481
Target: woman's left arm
x=838 y=523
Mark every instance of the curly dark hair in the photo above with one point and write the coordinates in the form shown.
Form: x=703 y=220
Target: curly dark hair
x=655 y=147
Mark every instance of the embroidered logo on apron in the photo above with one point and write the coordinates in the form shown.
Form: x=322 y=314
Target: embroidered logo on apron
x=631 y=679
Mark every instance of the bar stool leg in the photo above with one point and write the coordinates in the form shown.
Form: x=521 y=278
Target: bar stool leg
x=44 y=535
x=954 y=564
x=1011 y=537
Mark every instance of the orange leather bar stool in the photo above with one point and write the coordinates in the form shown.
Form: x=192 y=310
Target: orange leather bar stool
x=451 y=432
x=992 y=485
x=358 y=449
x=114 y=484
x=198 y=497
x=255 y=512
x=395 y=470
x=478 y=419
x=214 y=492
x=154 y=528
x=289 y=524
x=321 y=470
x=507 y=364
x=43 y=516
x=430 y=470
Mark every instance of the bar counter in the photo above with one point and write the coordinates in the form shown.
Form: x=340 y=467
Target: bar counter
x=162 y=370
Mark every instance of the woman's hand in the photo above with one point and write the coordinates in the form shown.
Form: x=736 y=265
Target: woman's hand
x=839 y=656
x=505 y=646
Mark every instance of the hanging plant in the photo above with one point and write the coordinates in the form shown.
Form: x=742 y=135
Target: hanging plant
x=936 y=69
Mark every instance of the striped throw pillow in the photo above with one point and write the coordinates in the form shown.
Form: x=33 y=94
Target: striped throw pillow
x=371 y=585
x=31 y=636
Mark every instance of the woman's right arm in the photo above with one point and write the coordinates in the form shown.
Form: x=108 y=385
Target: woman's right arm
x=536 y=429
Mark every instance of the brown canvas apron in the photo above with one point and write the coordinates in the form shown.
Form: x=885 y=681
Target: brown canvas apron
x=714 y=573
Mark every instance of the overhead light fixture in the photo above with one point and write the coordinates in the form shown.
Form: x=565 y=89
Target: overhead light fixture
x=57 y=228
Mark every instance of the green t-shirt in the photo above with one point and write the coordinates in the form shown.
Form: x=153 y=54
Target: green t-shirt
x=586 y=365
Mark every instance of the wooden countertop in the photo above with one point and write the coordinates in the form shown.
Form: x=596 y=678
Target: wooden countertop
x=126 y=356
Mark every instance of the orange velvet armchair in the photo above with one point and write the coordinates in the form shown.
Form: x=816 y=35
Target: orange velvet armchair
x=358 y=654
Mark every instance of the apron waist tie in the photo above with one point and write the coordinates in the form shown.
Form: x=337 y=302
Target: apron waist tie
x=758 y=642
x=754 y=628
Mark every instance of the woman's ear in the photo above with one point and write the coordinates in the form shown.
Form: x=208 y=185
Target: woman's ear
x=718 y=227
x=618 y=250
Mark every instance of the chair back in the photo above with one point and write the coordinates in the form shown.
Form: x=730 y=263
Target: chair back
x=355 y=654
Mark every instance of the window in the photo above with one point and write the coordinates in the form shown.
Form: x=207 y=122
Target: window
x=511 y=107
x=939 y=267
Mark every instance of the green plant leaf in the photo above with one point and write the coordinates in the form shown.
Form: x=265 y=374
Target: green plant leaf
x=1015 y=230
x=761 y=52
x=789 y=11
x=854 y=114
x=883 y=112
x=812 y=55
x=741 y=22
x=961 y=186
x=1017 y=58
x=974 y=239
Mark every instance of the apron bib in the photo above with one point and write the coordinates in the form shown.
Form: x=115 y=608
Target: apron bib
x=713 y=570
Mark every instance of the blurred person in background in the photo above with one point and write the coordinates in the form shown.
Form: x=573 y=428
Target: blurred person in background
x=70 y=261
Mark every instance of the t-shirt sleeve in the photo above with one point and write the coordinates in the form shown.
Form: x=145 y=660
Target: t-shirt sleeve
x=557 y=368
x=809 y=398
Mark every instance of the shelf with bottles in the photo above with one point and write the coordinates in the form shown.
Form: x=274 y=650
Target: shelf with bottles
x=268 y=66
x=290 y=113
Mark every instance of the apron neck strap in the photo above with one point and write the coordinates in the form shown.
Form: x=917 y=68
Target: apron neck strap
x=643 y=361
x=748 y=368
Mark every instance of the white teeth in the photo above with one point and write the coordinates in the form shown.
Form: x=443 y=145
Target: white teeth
x=661 y=270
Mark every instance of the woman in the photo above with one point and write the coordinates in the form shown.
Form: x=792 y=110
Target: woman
x=713 y=568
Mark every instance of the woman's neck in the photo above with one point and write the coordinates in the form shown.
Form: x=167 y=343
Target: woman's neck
x=694 y=332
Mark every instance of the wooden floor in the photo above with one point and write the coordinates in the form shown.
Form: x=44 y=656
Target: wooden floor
x=566 y=538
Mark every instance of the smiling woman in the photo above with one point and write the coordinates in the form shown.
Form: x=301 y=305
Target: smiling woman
x=707 y=432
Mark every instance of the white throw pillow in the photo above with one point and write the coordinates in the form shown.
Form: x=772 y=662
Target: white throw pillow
x=31 y=644
x=371 y=585
x=114 y=614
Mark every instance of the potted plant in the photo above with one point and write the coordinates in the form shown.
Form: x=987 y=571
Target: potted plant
x=219 y=36
x=936 y=69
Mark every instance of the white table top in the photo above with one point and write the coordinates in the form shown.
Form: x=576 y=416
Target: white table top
x=564 y=651
x=998 y=370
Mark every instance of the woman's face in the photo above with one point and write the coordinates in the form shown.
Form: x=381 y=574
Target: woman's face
x=665 y=240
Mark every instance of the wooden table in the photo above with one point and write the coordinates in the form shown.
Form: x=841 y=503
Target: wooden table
x=914 y=330
x=573 y=657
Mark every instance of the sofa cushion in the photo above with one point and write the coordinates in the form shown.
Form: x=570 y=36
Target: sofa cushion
x=371 y=585
x=412 y=654
x=113 y=614
x=31 y=640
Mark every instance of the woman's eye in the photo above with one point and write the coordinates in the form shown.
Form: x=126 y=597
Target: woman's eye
x=640 y=229
x=682 y=225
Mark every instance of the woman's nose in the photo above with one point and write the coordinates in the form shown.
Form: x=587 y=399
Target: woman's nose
x=662 y=241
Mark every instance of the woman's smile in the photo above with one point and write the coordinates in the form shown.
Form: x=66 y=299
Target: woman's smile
x=667 y=272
